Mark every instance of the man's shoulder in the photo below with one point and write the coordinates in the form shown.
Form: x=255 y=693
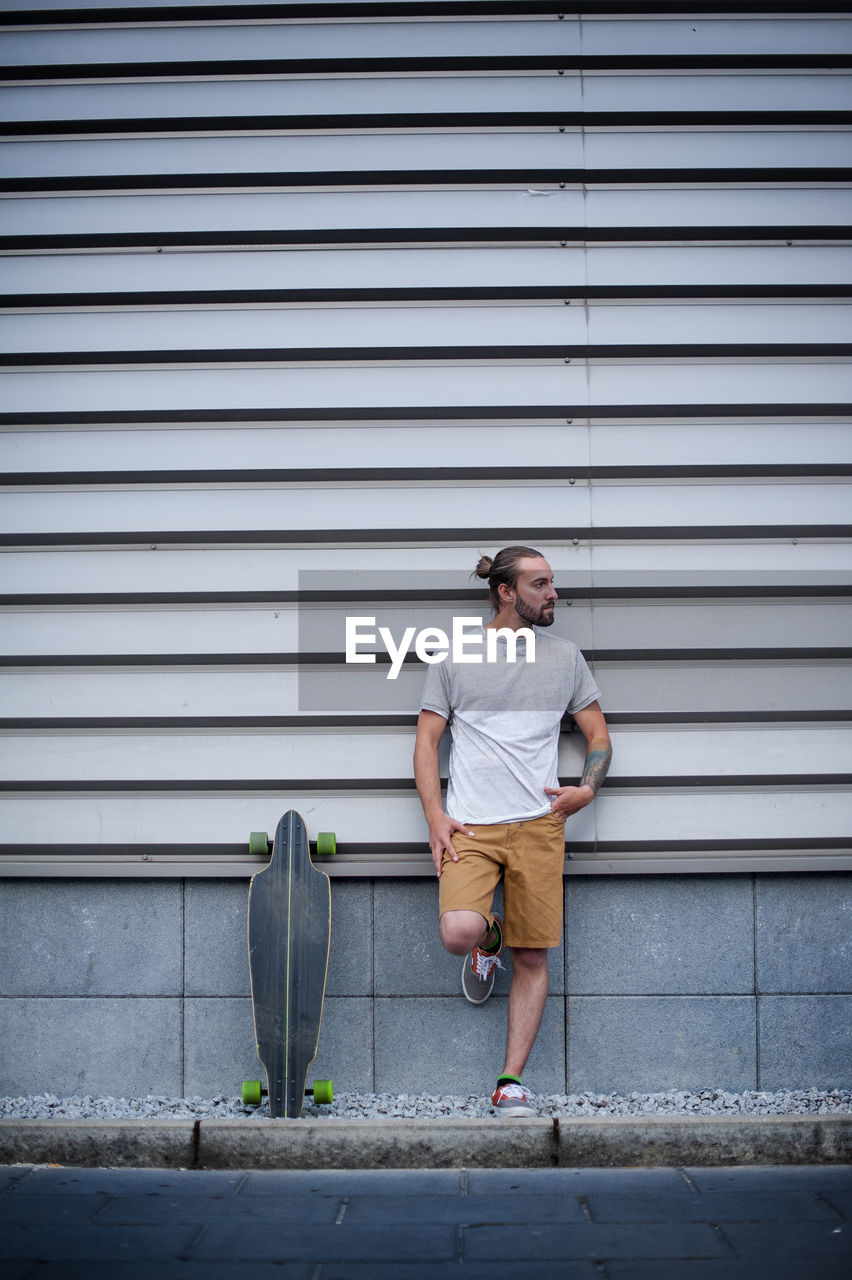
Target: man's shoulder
x=559 y=646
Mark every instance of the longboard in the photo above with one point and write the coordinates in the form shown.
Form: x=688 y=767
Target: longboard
x=289 y=931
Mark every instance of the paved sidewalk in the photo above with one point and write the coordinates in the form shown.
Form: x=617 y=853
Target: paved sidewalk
x=754 y=1223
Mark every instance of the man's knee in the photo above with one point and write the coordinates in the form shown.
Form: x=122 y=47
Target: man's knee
x=461 y=931
x=532 y=959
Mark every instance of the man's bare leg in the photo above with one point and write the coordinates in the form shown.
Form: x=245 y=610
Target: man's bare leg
x=527 y=996
x=461 y=931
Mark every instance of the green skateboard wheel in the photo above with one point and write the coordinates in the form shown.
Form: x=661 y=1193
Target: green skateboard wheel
x=259 y=843
x=326 y=843
x=252 y=1093
x=323 y=1092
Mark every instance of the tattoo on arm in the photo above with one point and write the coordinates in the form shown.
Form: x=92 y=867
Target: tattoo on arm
x=598 y=756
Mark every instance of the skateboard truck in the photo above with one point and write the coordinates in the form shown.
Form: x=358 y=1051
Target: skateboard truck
x=322 y=1091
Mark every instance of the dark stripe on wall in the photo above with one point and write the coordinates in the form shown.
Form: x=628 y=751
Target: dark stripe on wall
x=356 y=537
x=455 y=121
x=304 y=660
x=177 y=14
x=434 y=179
x=386 y=720
x=353 y=786
x=785 y=234
x=438 y=413
x=568 y=293
x=245 y=68
x=400 y=475
x=387 y=355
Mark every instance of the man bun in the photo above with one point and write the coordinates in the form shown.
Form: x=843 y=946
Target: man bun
x=504 y=568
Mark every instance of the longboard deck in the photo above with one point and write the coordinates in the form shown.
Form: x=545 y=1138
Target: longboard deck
x=289 y=931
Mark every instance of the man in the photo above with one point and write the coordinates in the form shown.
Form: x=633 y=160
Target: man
x=506 y=811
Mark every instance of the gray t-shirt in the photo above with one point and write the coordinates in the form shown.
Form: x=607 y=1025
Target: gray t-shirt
x=504 y=721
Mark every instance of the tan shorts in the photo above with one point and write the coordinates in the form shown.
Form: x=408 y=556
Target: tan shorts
x=530 y=856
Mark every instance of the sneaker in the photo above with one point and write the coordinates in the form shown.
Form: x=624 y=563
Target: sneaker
x=479 y=971
x=511 y=1100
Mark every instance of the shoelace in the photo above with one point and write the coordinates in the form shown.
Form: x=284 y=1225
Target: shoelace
x=513 y=1091
x=484 y=963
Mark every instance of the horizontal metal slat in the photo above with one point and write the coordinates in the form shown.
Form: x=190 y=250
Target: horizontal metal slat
x=550 y=330
x=512 y=390
x=354 y=759
x=313 y=634
x=601 y=98
x=717 y=816
x=376 y=275
x=688 y=686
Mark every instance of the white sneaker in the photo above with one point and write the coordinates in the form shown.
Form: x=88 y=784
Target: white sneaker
x=511 y=1100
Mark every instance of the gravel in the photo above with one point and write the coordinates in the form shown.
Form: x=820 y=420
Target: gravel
x=370 y=1106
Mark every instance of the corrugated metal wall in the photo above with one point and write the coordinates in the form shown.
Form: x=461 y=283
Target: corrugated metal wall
x=304 y=306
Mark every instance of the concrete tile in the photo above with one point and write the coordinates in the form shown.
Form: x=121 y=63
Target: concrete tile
x=546 y=1182
x=809 y=1241
x=805 y=1042
x=69 y=1242
x=410 y=960
x=713 y=1206
x=220 y=1046
x=378 y=1183
x=345 y=1053
x=593 y=1240
x=216 y=938
x=493 y=1269
x=166 y=1269
x=447 y=1046
x=814 y=1178
x=47 y=1181
x=804 y=933
x=518 y=1207
x=649 y=1044
x=29 y=1210
x=105 y=1047
x=241 y=1213
x=92 y=937
x=350 y=961
x=840 y=1203
x=380 y=1242
x=649 y=935
x=217 y=948
x=725 y=1269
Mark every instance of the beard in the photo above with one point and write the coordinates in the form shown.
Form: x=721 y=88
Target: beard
x=541 y=617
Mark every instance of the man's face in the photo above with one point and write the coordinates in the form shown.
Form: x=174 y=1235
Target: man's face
x=535 y=594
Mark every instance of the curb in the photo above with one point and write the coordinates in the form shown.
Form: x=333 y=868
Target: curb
x=616 y=1141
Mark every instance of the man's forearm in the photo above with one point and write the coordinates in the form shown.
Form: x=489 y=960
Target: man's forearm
x=598 y=756
x=427 y=778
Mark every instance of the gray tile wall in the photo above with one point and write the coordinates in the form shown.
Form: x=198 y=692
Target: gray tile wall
x=137 y=987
